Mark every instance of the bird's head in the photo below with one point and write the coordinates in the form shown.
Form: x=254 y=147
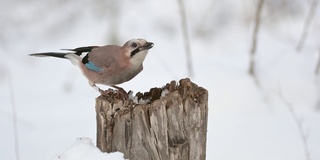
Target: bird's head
x=137 y=50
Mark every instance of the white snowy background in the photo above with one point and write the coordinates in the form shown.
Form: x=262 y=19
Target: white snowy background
x=54 y=104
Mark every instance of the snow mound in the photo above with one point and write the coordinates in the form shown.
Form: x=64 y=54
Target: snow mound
x=83 y=149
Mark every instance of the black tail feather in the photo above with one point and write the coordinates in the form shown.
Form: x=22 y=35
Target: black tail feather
x=49 y=54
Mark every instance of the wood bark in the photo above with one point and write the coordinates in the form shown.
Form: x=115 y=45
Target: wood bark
x=169 y=124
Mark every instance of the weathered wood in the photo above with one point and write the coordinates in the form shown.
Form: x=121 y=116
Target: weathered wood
x=171 y=125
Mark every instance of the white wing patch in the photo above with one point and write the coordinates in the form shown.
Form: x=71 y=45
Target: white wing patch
x=75 y=59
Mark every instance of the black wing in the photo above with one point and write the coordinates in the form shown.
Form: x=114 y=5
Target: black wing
x=78 y=51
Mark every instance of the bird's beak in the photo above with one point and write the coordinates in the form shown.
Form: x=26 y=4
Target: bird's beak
x=146 y=46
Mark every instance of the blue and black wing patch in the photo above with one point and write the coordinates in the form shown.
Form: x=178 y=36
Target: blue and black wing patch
x=90 y=65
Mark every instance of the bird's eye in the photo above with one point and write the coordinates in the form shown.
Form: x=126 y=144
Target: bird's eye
x=134 y=45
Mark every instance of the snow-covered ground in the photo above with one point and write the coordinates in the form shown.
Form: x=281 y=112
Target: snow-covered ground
x=84 y=149
x=55 y=105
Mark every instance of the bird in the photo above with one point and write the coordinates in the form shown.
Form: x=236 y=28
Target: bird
x=109 y=65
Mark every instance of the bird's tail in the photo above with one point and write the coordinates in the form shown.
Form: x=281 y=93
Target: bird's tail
x=75 y=59
x=50 y=54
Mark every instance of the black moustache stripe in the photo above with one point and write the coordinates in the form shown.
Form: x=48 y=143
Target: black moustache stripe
x=134 y=52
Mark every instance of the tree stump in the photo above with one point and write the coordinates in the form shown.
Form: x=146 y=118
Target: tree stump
x=168 y=123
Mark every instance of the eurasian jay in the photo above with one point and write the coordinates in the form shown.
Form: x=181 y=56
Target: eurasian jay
x=109 y=65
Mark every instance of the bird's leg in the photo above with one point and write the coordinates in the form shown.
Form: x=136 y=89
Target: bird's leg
x=106 y=92
x=121 y=91
x=102 y=92
x=93 y=85
x=97 y=88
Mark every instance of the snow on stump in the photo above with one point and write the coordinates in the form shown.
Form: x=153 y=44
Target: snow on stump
x=167 y=123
